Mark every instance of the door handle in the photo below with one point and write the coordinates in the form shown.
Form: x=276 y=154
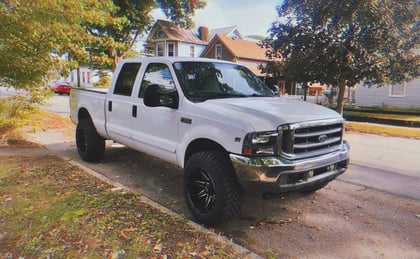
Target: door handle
x=134 y=111
x=110 y=106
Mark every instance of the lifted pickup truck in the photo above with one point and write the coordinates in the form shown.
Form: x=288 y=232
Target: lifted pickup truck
x=217 y=121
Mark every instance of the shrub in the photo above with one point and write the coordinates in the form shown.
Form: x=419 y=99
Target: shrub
x=15 y=112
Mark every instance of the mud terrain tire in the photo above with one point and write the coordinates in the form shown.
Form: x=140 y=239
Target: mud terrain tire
x=211 y=190
x=90 y=145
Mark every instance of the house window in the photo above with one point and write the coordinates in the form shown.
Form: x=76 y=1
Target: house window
x=88 y=77
x=159 y=49
x=171 y=48
x=397 y=90
x=218 y=53
x=192 y=50
x=160 y=34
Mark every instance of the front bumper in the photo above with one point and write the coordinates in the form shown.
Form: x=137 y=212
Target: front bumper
x=277 y=175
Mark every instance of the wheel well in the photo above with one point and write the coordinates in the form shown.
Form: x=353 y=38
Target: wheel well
x=83 y=114
x=201 y=145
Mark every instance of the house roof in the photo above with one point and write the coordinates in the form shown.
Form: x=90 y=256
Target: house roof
x=228 y=31
x=173 y=32
x=240 y=48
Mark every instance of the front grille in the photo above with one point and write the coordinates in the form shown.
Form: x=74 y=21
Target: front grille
x=309 y=139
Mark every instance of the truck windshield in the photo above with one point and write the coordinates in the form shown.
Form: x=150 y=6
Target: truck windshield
x=201 y=81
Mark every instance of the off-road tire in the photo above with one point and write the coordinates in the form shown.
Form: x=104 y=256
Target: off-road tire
x=90 y=145
x=211 y=189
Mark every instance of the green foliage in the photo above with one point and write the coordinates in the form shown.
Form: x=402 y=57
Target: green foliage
x=180 y=11
x=35 y=33
x=130 y=19
x=346 y=42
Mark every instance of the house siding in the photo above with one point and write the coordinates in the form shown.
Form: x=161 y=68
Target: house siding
x=184 y=49
x=380 y=96
x=211 y=53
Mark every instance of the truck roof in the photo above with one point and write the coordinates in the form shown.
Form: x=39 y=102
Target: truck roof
x=174 y=59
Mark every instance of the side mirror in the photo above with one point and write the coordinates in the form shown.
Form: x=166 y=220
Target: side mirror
x=153 y=97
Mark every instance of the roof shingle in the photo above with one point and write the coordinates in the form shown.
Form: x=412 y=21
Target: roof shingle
x=173 y=32
x=242 y=48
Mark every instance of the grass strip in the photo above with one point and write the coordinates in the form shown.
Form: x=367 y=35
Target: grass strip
x=51 y=209
x=378 y=129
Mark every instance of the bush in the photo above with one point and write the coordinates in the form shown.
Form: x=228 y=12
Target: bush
x=15 y=112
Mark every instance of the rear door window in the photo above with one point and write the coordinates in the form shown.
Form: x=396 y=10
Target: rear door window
x=126 y=78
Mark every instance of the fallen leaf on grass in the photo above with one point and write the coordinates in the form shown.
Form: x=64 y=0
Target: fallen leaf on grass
x=124 y=233
x=157 y=248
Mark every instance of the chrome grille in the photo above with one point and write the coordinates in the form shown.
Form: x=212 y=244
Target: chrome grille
x=310 y=139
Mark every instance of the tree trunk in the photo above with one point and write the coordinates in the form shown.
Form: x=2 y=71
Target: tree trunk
x=116 y=58
x=305 y=90
x=340 y=95
x=115 y=61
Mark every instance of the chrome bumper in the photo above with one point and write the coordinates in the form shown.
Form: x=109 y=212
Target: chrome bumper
x=280 y=174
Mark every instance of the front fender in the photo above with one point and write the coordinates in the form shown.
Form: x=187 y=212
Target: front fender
x=228 y=138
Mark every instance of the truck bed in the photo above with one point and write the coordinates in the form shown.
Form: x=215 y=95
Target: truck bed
x=94 y=101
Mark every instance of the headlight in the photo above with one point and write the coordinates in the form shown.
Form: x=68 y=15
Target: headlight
x=260 y=143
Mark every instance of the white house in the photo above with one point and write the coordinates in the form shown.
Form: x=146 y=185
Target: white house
x=231 y=32
x=167 y=39
x=406 y=95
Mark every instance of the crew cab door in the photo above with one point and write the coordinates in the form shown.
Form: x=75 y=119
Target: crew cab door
x=156 y=128
x=119 y=105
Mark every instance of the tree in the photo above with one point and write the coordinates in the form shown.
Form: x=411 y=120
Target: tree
x=132 y=19
x=343 y=43
x=34 y=34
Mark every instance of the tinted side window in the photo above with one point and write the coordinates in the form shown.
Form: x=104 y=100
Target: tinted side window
x=157 y=74
x=126 y=78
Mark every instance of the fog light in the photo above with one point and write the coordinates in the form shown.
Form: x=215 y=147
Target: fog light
x=330 y=168
x=310 y=173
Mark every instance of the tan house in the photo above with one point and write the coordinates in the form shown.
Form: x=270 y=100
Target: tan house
x=244 y=52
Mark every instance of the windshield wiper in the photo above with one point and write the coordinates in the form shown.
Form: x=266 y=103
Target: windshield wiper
x=260 y=95
x=206 y=96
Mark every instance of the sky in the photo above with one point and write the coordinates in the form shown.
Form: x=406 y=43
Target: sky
x=252 y=17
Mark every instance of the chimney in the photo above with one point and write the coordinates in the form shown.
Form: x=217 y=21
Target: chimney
x=203 y=33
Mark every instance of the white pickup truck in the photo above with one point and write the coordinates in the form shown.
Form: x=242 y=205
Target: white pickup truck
x=217 y=121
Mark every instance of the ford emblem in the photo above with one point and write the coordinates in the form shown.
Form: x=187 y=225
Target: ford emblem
x=322 y=138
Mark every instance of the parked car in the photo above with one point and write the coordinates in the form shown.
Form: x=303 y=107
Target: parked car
x=61 y=89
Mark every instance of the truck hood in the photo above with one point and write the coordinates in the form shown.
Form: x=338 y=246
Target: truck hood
x=266 y=113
